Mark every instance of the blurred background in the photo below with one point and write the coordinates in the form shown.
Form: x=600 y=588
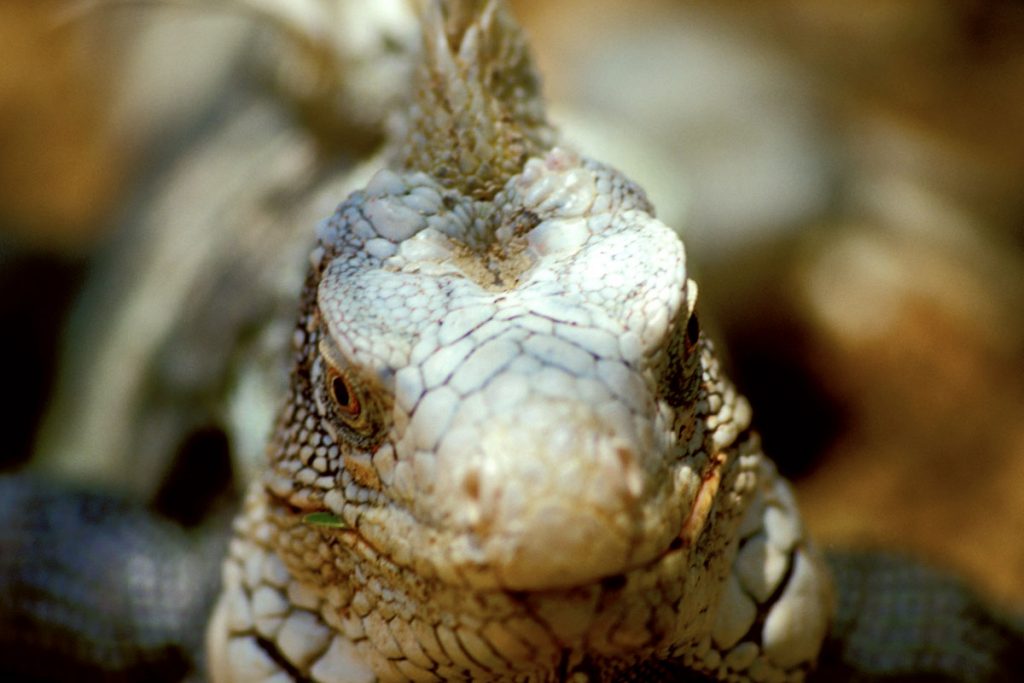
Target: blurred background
x=848 y=179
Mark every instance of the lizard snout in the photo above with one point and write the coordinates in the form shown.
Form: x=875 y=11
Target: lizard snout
x=550 y=496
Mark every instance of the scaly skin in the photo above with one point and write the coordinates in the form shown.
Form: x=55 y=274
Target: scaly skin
x=526 y=461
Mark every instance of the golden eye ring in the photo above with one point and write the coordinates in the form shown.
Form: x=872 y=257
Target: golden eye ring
x=343 y=394
x=351 y=404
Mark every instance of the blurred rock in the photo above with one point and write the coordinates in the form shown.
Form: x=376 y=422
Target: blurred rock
x=184 y=323
x=721 y=128
x=60 y=167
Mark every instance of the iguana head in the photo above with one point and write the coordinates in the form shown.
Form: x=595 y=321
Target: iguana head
x=497 y=359
x=501 y=386
x=501 y=401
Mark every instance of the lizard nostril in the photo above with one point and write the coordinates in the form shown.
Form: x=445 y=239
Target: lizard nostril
x=625 y=455
x=471 y=485
x=632 y=476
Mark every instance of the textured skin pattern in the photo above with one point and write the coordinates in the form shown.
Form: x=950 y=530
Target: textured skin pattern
x=96 y=588
x=897 y=622
x=901 y=622
x=520 y=457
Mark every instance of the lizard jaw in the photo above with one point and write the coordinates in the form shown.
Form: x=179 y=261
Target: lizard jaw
x=558 y=543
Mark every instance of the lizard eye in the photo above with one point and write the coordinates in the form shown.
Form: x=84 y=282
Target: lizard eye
x=693 y=329
x=682 y=376
x=349 y=407
x=343 y=394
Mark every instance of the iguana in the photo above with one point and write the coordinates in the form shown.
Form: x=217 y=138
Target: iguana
x=508 y=451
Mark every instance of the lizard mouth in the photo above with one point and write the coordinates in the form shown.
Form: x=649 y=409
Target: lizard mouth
x=697 y=519
x=301 y=511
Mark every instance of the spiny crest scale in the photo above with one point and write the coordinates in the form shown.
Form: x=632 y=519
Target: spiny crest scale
x=477 y=113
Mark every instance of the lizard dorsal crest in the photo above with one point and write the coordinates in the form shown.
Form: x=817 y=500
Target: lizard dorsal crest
x=477 y=112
